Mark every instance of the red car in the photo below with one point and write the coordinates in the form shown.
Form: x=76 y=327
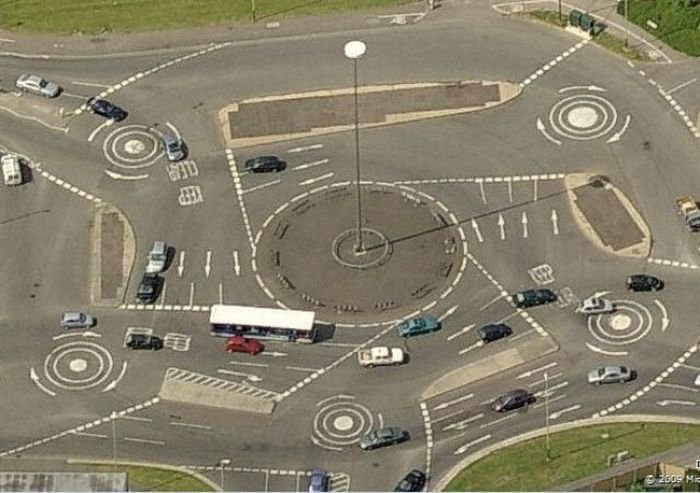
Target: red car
x=239 y=344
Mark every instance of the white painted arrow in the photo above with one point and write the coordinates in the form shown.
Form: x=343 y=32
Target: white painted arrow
x=274 y=354
x=616 y=136
x=454 y=401
x=598 y=294
x=449 y=312
x=113 y=384
x=207 y=267
x=555 y=222
x=667 y=402
x=664 y=317
x=550 y=390
x=236 y=265
x=543 y=131
x=36 y=380
x=464 y=447
x=523 y=221
x=558 y=414
x=579 y=88
x=248 y=376
x=473 y=346
x=463 y=330
x=475 y=226
x=596 y=349
x=181 y=264
x=501 y=224
x=460 y=425
x=535 y=370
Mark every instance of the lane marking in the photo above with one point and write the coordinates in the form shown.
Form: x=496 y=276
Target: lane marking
x=316 y=179
x=310 y=165
x=144 y=440
x=260 y=187
x=452 y=402
x=89 y=84
x=464 y=447
x=462 y=331
x=190 y=425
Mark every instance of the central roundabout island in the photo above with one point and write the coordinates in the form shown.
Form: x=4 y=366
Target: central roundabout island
x=412 y=252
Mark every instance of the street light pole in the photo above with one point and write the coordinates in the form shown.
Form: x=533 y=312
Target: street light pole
x=354 y=50
x=627 y=27
x=223 y=463
x=546 y=416
x=252 y=9
x=114 y=441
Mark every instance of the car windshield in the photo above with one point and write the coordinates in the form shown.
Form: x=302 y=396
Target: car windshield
x=601 y=372
x=43 y=83
x=174 y=146
x=623 y=369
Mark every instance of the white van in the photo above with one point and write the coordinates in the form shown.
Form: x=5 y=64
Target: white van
x=11 y=170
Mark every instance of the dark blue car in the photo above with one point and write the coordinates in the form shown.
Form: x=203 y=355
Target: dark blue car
x=104 y=108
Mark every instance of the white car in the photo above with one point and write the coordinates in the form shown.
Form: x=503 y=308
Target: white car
x=11 y=170
x=380 y=356
x=157 y=258
x=595 y=305
x=37 y=85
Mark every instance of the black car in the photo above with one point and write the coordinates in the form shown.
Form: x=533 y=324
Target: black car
x=104 y=108
x=413 y=481
x=493 y=332
x=143 y=341
x=149 y=288
x=512 y=400
x=643 y=282
x=262 y=164
x=533 y=297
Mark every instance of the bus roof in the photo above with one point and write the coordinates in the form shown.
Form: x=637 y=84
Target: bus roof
x=262 y=317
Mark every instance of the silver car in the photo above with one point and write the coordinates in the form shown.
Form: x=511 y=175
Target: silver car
x=77 y=320
x=37 y=85
x=157 y=257
x=174 y=147
x=595 y=305
x=611 y=374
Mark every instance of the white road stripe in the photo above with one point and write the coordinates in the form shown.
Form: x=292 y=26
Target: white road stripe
x=299 y=368
x=318 y=178
x=144 y=440
x=191 y=425
x=500 y=420
x=91 y=84
x=259 y=187
x=309 y=165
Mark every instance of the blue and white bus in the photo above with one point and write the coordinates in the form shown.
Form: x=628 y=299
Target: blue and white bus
x=262 y=323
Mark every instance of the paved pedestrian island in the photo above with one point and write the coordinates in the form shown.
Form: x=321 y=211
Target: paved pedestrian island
x=277 y=118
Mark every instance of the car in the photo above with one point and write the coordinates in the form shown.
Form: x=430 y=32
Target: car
x=697 y=380
x=240 y=344
x=611 y=374
x=174 y=147
x=514 y=399
x=383 y=437
x=149 y=288
x=413 y=481
x=417 y=326
x=380 y=356
x=533 y=297
x=37 y=85
x=319 y=479
x=261 y=164
x=11 y=170
x=157 y=257
x=77 y=320
x=493 y=332
x=144 y=341
x=644 y=282
x=595 y=305
x=104 y=108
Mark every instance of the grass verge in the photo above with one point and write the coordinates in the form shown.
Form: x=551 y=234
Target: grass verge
x=575 y=454
x=677 y=21
x=154 y=479
x=99 y=16
x=607 y=41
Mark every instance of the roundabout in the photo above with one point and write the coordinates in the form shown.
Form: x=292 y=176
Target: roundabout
x=630 y=323
x=341 y=422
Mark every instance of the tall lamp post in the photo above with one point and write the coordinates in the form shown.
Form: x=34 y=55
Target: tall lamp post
x=223 y=463
x=354 y=51
x=114 y=441
x=546 y=416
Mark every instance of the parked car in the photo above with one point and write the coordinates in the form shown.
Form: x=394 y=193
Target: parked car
x=37 y=85
x=157 y=257
x=144 y=341
x=595 y=305
x=413 y=481
x=175 y=149
x=383 y=437
x=77 y=320
x=319 y=480
x=611 y=374
x=514 y=399
x=240 y=344
x=533 y=297
x=261 y=164
x=417 y=326
x=149 y=288
x=644 y=282
x=104 y=108
x=493 y=332
x=11 y=170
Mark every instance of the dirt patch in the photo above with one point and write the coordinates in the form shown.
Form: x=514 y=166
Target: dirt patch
x=111 y=255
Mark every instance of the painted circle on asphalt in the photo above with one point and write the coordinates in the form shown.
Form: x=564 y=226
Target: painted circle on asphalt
x=630 y=323
x=583 y=117
x=341 y=422
x=133 y=146
x=78 y=365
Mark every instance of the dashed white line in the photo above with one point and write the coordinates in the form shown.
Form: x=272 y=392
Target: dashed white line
x=310 y=165
x=144 y=440
x=316 y=179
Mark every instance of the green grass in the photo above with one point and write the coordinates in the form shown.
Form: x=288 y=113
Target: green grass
x=96 y=16
x=678 y=22
x=607 y=41
x=575 y=454
x=154 y=479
